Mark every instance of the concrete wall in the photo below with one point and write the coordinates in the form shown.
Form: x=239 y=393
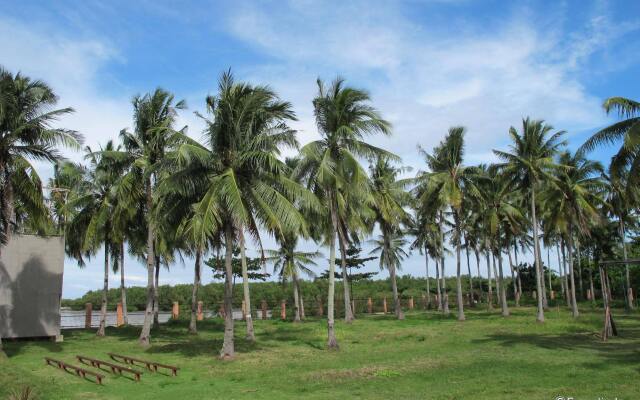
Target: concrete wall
x=31 y=269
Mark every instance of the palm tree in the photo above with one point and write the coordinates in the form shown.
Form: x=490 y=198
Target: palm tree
x=390 y=247
x=330 y=165
x=145 y=149
x=448 y=183
x=528 y=161
x=389 y=198
x=93 y=204
x=245 y=185
x=290 y=264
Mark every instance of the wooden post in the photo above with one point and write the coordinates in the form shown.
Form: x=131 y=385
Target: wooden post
x=320 y=307
x=175 y=311
x=369 y=306
x=424 y=301
x=411 y=303
x=384 y=304
x=199 y=314
x=534 y=295
x=553 y=295
x=588 y=294
x=221 y=311
x=119 y=315
x=263 y=305
x=244 y=311
x=88 y=307
x=283 y=310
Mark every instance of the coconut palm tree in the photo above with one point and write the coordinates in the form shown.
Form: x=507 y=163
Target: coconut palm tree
x=448 y=183
x=389 y=198
x=144 y=151
x=246 y=185
x=390 y=247
x=528 y=161
x=330 y=166
x=289 y=264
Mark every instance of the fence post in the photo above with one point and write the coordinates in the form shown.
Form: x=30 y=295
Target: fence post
x=370 y=305
x=384 y=304
x=175 y=311
x=119 y=315
x=199 y=315
x=88 y=307
x=534 y=295
x=320 y=307
x=411 y=303
x=221 y=311
x=283 y=310
x=263 y=305
x=553 y=295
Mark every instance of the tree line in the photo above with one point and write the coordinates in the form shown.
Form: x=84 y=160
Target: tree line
x=160 y=195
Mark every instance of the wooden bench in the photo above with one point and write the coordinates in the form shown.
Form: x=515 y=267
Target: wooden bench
x=73 y=369
x=151 y=366
x=114 y=367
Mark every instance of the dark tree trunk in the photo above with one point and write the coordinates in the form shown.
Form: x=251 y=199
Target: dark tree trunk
x=503 y=287
x=245 y=289
x=516 y=293
x=105 y=291
x=466 y=249
x=574 y=305
x=156 y=303
x=193 y=324
x=536 y=247
x=629 y=302
x=459 y=299
x=566 y=275
x=480 y=294
x=426 y=262
x=438 y=290
x=490 y=291
x=348 y=312
x=123 y=289
x=332 y=342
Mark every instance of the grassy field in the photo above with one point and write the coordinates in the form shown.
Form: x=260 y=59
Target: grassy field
x=425 y=356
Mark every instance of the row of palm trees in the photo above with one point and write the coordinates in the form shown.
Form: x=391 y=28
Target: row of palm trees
x=164 y=194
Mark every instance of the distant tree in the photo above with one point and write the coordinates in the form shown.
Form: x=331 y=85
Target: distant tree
x=255 y=267
x=353 y=261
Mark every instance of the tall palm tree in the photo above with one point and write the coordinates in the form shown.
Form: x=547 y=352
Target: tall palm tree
x=389 y=198
x=448 y=183
x=330 y=165
x=390 y=247
x=145 y=149
x=528 y=161
x=289 y=264
x=246 y=185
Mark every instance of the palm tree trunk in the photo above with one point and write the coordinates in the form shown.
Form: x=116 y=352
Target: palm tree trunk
x=490 y=292
x=426 y=262
x=549 y=268
x=245 y=288
x=392 y=275
x=495 y=275
x=438 y=290
x=466 y=249
x=105 y=290
x=515 y=256
x=516 y=293
x=536 y=247
x=123 y=289
x=560 y=270
x=302 y=314
x=545 y=300
x=479 y=277
x=228 y=349
x=332 y=342
x=156 y=302
x=626 y=266
x=579 y=270
x=193 y=324
x=503 y=287
x=348 y=312
x=445 y=295
x=145 y=334
x=296 y=299
x=458 y=278
x=566 y=275
x=593 y=292
x=574 y=305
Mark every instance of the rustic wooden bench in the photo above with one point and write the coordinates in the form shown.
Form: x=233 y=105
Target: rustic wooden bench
x=114 y=367
x=151 y=366
x=81 y=372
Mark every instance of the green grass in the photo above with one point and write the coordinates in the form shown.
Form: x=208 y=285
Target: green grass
x=425 y=356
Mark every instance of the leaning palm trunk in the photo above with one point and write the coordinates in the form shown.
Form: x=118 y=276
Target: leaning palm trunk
x=332 y=342
x=228 y=348
x=156 y=300
x=626 y=266
x=438 y=290
x=503 y=287
x=536 y=250
x=348 y=312
x=245 y=288
x=458 y=278
x=105 y=290
x=193 y=328
x=123 y=289
x=148 y=314
x=574 y=304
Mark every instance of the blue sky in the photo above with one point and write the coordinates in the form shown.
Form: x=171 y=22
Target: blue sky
x=428 y=65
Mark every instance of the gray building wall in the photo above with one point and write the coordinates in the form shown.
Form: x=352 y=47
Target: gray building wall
x=31 y=269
